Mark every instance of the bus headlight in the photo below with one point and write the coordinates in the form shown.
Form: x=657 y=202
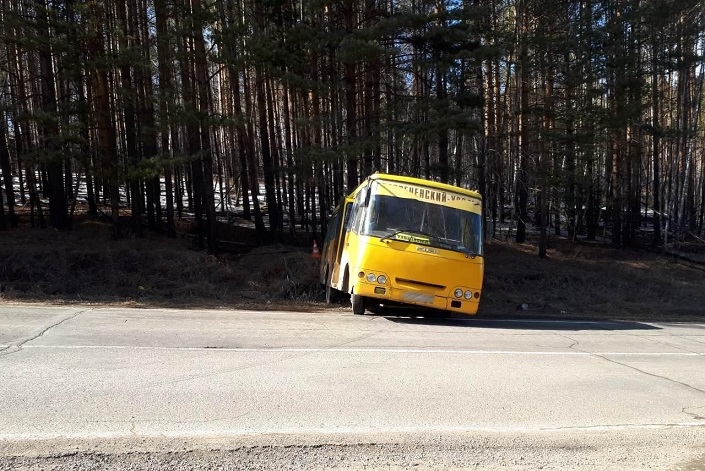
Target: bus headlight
x=371 y=277
x=458 y=293
x=382 y=280
x=468 y=294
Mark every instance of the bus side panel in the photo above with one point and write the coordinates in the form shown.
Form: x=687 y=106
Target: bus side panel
x=337 y=277
x=347 y=259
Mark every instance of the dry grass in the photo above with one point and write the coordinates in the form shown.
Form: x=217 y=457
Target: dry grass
x=87 y=265
x=576 y=280
x=588 y=280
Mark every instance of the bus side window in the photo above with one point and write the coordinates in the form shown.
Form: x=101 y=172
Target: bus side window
x=330 y=246
x=358 y=210
x=342 y=234
x=352 y=218
x=333 y=227
x=346 y=221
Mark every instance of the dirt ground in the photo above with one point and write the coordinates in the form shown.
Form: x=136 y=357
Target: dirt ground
x=86 y=265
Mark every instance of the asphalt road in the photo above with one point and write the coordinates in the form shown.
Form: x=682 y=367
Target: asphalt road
x=111 y=388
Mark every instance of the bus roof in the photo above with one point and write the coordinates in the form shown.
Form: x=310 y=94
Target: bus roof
x=428 y=183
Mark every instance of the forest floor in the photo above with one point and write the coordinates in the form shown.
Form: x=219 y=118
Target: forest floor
x=577 y=280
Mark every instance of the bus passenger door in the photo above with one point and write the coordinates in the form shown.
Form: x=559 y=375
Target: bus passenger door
x=342 y=240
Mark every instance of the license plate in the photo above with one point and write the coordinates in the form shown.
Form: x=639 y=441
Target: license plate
x=417 y=297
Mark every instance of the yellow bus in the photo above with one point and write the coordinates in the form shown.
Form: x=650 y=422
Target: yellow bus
x=402 y=241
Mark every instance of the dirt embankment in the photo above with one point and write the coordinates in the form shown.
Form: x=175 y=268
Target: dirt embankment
x=576 y=280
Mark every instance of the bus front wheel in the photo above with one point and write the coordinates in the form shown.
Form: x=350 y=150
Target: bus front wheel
x=358 y=304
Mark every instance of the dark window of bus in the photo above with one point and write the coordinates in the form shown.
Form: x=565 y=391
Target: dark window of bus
x=358 y=211
x=346 y=221
x=333 y=226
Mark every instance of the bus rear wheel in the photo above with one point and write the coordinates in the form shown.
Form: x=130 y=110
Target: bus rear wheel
x=358 y=304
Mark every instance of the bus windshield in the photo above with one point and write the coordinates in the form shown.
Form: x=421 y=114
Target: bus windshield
x=422 y=222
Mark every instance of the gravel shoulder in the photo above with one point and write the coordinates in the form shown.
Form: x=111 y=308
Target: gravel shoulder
x=577 y=449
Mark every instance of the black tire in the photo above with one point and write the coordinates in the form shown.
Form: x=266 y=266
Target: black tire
x=358 y=304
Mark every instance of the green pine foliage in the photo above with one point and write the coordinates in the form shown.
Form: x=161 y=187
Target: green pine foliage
x=593 y=109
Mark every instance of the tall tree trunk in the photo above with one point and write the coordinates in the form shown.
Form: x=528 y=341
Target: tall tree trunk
x=253 y=167
x=3 y=220
x=86 y=158
x=18 y=95
x=193 y=131
x=275 y=156
x=570 y=157
x=443 y=130
x=105 y=128
x=146 y=116
x=546 y=151
x=243 y=145
x=58 y=211
x=522 y=180
x=267 y=163
x=288 y=148
x=166 y=93
x=350 y=101
x=7 y=175
x=201 y=65
x=368 y=92
x=127 y=93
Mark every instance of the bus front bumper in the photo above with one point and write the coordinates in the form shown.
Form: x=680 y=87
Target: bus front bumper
x=381 y=293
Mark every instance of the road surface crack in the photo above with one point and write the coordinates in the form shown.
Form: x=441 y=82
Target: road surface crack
x=658 y=341
x=628 y=425
x=693 y=414
x=573 y=345
x=653 y=375
x=266 y=363
x=18 y=347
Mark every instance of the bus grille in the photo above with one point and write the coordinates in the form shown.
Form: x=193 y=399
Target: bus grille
x=420 y=284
